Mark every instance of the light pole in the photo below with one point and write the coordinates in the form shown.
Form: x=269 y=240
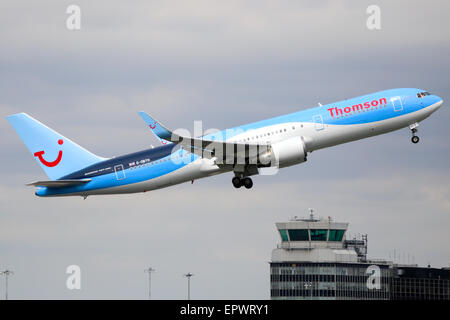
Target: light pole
x=6 y=273
x=188 y=276
x=149 y=271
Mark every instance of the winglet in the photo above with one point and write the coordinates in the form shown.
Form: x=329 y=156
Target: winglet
x=157 y=128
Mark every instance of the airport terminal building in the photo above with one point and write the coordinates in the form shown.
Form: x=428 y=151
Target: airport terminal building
x=315 y=261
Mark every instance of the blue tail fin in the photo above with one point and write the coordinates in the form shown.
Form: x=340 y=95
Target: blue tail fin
x=56 y=154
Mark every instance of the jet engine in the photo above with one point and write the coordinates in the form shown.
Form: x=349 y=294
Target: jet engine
x=288 y=152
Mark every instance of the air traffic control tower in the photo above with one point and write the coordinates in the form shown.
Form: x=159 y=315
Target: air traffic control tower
x=314 y=260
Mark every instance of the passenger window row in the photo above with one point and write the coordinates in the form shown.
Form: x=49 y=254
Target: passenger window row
x=265 y=134
x=157 y=161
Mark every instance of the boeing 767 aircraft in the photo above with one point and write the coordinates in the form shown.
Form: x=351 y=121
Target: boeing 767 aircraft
x=273 y=143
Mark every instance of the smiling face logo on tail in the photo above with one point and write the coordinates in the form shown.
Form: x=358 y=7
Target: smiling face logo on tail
x=52 y=163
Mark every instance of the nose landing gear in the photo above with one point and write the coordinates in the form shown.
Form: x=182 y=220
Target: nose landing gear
x=239 y=182
x=414 y=130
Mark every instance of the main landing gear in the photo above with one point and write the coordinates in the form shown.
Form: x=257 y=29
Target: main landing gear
x=239 y=182
x=413 y=128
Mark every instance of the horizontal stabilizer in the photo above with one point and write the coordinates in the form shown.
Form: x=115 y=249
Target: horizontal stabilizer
x=59 y=183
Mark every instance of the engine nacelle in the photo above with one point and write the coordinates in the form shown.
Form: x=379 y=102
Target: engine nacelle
x=288 y=152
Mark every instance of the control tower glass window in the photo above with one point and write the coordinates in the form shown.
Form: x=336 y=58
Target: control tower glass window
x=298 y=235
x=336 y=235
x=284 y=235
x=318 y=234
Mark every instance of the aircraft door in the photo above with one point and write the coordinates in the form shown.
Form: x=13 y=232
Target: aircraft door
x=120 y=174
x=318 y=122
x=397 y=103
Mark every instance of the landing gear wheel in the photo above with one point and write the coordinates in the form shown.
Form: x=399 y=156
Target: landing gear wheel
x=414 y=130
x=236 y=182
x=248 y=183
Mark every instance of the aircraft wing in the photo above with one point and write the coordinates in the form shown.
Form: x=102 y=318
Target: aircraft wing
x=58 y=183
x=224 y=152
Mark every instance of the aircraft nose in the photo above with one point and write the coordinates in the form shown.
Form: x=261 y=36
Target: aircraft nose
x=439 y=101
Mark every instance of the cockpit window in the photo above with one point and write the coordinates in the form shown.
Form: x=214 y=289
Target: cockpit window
x=423 y=94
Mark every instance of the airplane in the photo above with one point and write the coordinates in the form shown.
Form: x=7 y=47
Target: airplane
x=245 y=150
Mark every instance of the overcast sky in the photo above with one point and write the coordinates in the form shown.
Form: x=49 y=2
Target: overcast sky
x=226 y=63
